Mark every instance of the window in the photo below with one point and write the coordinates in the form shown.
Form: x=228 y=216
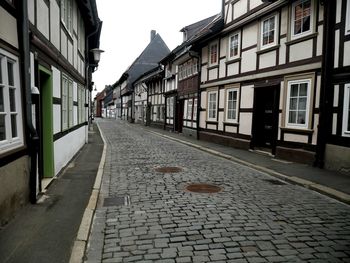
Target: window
x=81 y=34
x=347 y=19
x=67 y=13
x=212 y=105
x=231 y=104
x=268 y=32
x=170 y=107
x=346 y=111
x=301 y=18
x=67 y=102
x=213 y=54
x=195 y=109
x=11 y=133
x=81 y=104
x=298 y=103
x=234 y=42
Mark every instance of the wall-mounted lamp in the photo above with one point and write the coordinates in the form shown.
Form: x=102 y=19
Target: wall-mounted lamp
x=97 y=54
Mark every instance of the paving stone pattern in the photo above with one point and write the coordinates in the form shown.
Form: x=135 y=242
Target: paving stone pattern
x=250 y=220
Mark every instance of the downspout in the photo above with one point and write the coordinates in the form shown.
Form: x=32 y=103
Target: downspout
x=326 y=82
x=32 y=137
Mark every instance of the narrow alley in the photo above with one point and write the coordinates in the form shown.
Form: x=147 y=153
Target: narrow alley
x=147 y=211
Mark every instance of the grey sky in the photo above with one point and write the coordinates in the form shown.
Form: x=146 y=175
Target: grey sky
x=127 y=25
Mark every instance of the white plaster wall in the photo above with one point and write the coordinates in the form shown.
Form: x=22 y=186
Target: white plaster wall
x=338 y=11
x=70 y=52
x=56 y=81
x=213 y=74
x=202 y=119
x=282 y=50
x=204 y=73
x=31 y=14
x=247 y=95
x=32 y=79
x=336 y=50
x=229 y=13
x=254 y=3
x=232 y=69
x=205 y=54
x=56 y=118
x=314 y=136
x=250 y=36
x=302 y=50
x=295 y=138
x=245 y=123
x=336 y=96
x=211 y=127
x=239 y=8
x=346 y=60
x=222 y=98
x=334 y=124
x=248 y=60
x=75 y=53
x=318 y=89
x=231 y=129
x=319 y=41
x=203 y=100
x=281 y=96
x=221 y=119
x=43 y=18
x=320 y=13
x=55 y=23
x=66 y=147
x=75 y=91
x=267 y=60
x=284 y=20
x=75 y=115
x=63 y=44
x=8 y=28
x=222 y=68
x=223 y=47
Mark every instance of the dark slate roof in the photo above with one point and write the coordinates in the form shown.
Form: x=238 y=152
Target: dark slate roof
x=148 y=60
x=194 y=28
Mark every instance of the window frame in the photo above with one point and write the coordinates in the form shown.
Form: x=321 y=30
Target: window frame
x=276 y=30
x=216 y=43
x=308 y=103
x=231 y=89
x=311 y=30
x=346 y=111
x=11 y=142
x=67 y=14
x=208 y=105
x=238 y=46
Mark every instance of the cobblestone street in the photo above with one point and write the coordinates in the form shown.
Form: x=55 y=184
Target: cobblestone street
x=149 y=216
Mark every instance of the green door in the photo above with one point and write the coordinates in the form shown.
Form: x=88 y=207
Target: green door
x=46 y=120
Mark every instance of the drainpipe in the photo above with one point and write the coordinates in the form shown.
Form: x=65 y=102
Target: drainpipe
x=326 y=95
x=32 y=135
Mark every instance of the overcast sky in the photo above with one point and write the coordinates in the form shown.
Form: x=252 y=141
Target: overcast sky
x=127 y=25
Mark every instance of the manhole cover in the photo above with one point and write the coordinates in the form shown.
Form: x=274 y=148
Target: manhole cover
x=275 y=182
x=203 y=188
x=168 y=169
x=116 y=201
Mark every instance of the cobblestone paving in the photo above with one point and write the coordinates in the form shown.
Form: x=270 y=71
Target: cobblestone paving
x=250 y=220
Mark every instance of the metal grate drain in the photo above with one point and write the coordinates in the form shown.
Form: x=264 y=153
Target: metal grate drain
x=203 y=188
x=168 y=169
x=274 y=182
x=116 y=201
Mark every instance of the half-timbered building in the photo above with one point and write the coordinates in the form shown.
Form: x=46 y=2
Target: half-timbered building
x=261 y=78
x=45 y=78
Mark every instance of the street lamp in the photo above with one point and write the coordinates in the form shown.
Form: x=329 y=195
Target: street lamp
x=97 y=55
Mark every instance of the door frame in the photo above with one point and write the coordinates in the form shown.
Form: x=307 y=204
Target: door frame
x=46 y=123
x=275 y=110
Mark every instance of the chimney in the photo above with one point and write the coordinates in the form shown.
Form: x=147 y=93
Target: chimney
x=153 y=34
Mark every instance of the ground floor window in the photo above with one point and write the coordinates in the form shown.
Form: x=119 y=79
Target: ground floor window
x=170 y=107
x=11 y=133
x=212 y=105
x=298 y=103
x=346 y=111
x=231 y=104
x=67 y=102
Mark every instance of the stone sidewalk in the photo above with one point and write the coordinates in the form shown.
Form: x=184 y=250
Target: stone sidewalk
x=146 y=215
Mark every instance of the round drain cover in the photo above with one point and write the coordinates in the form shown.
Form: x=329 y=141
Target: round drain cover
x=168 y=169
x=203 y=188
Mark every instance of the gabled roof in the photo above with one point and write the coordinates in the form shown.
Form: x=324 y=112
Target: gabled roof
x=146 y=61
x=193 y=29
